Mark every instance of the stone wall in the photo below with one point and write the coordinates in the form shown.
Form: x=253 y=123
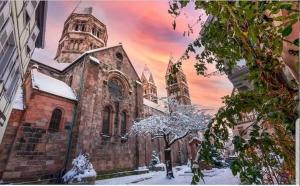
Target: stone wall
x=114 y=156
x=29 y=150
x=35 y=153
x=9 y=137
x=95 y=96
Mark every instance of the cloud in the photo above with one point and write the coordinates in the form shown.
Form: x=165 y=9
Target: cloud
x=145 y=30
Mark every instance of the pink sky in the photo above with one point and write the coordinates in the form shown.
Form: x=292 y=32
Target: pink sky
x=145 y=30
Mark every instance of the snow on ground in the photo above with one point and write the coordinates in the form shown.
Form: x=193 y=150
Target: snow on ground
x=183 y=176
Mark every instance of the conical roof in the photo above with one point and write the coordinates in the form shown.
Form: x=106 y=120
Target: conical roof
x=147 y=75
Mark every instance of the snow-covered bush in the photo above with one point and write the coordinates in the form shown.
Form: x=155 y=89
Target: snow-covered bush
x=154 y=159
x=82 y=168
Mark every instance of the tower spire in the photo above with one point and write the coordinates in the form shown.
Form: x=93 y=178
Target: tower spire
x=82 y=32
x=177 y=86
x=150 y=89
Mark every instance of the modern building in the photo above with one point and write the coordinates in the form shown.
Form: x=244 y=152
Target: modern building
x=22 y=29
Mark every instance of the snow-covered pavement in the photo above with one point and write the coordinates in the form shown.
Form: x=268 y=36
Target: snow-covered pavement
x=183 y=176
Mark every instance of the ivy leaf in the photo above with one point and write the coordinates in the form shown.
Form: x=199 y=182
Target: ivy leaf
x=253 y=34
x=287 y=6
x=235 y=168
x=296 y=42
x=286 y=31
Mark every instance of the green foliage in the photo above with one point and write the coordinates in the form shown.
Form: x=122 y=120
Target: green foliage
x=296 y=42
x=245 y=30
x=287 y=31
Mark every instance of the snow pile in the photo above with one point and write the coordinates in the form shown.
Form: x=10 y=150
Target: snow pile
x=142 y=169
x=162 y=165
x=51 y=85
x=82 y=168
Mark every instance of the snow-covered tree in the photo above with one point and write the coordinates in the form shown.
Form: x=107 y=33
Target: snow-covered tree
x=177 y=123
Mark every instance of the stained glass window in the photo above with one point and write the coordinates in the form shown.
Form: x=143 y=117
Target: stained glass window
x=115 y=89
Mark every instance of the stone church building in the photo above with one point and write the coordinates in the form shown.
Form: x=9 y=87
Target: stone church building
x=85 y=100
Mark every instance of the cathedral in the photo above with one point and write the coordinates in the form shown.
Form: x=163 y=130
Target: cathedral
x=85 y=100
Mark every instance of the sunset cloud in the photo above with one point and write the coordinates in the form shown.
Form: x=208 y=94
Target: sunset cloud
x=144 y=28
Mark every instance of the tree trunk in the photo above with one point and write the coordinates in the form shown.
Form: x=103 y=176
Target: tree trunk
x=168 y=162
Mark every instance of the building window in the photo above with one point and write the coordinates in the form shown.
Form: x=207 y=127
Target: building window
x=115 y=89
x=106 y=120
x=96 y=32
x=123 y=123
x=172 y=80
x=80 y=26
x=55 y=120
x=186 y=91
x=119 y=56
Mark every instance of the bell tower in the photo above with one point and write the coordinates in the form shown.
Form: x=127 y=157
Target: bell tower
x=82 y=32
x=150 y=89
x=177 y=86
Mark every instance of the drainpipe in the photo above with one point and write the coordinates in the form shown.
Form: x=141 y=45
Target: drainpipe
x=71 y=126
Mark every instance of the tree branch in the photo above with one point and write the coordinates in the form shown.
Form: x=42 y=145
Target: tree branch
x=176 y=139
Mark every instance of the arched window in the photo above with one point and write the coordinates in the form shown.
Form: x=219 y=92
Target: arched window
x=123 y=123
x=115 y=89
x=55 y=120
x=106 y=120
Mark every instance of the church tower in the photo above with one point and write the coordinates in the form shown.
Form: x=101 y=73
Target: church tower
x=177 y=86
x=82 y=32
x=150 y=89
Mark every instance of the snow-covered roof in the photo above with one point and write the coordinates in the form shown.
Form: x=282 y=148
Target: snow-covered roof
x=148 y=75
x=153 y=105
x=51 y=85
x=46 y=60
x=19 y=102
